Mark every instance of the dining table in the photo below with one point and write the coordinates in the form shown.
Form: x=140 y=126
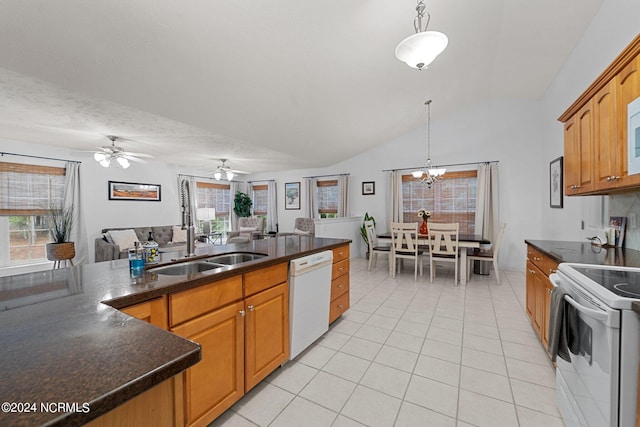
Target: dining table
x=465 y=241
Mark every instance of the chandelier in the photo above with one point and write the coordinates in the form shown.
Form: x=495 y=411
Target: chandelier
x=420 y=49
x=430 y=174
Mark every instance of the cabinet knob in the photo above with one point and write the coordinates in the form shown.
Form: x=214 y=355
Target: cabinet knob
x=242 y=313
x=341 y=269
x=340 y=286
x=532 y=271
x=616 y=177
x=609 y=178
x=340 y=253
x=551 y=271
x=251 y=308
x=340 y=306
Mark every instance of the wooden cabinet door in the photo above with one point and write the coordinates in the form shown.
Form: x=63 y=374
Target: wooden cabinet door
x=548 y=288
x=216 y=382
x=571 y=157
x=154 y=312
x=607 y=147
x=628 y=89
x=538 y=284
x=584 y=127
x=266 y=333
x=530 y=292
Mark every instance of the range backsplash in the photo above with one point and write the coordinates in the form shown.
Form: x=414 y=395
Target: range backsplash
x=623 y=205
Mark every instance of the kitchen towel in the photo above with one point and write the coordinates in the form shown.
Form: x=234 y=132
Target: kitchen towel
x=558 y=323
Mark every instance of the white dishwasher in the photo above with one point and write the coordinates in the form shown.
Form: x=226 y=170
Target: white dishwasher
x=309 y=299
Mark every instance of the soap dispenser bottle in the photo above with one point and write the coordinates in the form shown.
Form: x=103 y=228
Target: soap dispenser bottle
x=150 y=250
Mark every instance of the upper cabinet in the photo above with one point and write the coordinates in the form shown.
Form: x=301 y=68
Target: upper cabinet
x=595 y=129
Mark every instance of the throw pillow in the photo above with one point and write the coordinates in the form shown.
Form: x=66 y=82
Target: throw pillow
x=179 y=235
x=125 y=239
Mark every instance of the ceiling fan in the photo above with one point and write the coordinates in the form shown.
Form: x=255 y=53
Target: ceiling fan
x=226 y=170
x=107 y=153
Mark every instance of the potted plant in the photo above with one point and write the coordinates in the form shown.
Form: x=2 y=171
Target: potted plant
x=363 y=230
x=242 y=204
x=60 y=222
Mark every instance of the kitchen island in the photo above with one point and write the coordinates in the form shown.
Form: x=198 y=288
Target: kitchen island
x=69 y=355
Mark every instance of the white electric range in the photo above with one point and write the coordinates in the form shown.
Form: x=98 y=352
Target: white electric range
x=599 y=386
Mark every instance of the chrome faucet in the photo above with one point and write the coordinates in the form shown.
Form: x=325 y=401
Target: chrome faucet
x=187 y=220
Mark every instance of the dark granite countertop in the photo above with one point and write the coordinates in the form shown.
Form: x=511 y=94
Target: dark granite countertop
x=63 y=339
x=586 y=253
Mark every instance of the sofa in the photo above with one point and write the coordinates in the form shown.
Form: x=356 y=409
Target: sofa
x=108 y=249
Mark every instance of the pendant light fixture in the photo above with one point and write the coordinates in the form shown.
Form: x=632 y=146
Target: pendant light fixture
x=420 y=49
x=430 y=174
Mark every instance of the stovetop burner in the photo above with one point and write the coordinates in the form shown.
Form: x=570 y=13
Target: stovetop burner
x=625 y=283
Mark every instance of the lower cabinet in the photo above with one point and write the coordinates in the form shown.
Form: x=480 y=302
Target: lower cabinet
x=217 y=381
x=266 y=333
x=242 y=341
x=159 y=407
x=538 y=292
x=339 y=283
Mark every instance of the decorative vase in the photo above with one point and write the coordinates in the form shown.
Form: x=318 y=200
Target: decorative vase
x=423 y=228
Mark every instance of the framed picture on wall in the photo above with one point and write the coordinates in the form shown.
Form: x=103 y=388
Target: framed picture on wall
x=134 y=191
x=292 y=195
x=368 y=187
x=556 y=185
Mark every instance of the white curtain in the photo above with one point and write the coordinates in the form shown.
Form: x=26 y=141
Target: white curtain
x=343 y=195
x=272 y=206
x=488 y=201
x=192 y=198
x=72 y=200
x=234 y=187
x=394 y=179
x=312 y=197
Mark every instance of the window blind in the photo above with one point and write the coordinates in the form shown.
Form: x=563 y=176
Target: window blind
x=30 y=189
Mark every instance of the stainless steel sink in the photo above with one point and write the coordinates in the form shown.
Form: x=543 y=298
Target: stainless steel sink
x=184 y=268
x=234 y=258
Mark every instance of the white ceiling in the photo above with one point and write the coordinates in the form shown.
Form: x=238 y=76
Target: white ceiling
x=271 y=85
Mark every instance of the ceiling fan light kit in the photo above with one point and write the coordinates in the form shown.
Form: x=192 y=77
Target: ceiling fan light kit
x=421 y=49
x=113 y=152
x=226 y=170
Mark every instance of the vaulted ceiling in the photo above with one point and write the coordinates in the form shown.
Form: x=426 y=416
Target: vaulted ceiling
x=270 y=85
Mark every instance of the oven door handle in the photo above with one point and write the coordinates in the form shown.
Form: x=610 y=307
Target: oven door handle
x=602 y=316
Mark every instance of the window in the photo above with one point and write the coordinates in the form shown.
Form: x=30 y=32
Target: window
x=26 y=193
x=327 y=196
x=261 y=202
x=453 y=199
x=217 y=196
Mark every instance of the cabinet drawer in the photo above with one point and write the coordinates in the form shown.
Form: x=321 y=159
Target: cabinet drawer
x=186 y=305
x=550 y=266
x=339 y=286
x=264 y=278
x=536 y=257
x=154 y=311
x=339 y=268
x=339 y=306
x=340 y=253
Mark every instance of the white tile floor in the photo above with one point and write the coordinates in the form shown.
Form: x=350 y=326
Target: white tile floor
x=414 y=354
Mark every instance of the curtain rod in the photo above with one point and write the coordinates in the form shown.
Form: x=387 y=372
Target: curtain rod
x=3 y=153
x=206 y=177
x=261 y=180
x=323 y=176
x=437 y=166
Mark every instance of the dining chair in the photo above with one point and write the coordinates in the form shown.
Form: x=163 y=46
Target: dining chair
x=374 y=247
x=487 y=254
x=404 y=245
x=443 y=246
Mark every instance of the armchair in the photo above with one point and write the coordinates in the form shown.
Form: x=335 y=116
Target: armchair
x=248 y=229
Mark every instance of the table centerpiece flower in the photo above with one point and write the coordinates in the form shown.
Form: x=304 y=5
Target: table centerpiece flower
x=425 y=215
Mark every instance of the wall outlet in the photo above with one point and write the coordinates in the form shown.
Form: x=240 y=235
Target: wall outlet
x=633 y=220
